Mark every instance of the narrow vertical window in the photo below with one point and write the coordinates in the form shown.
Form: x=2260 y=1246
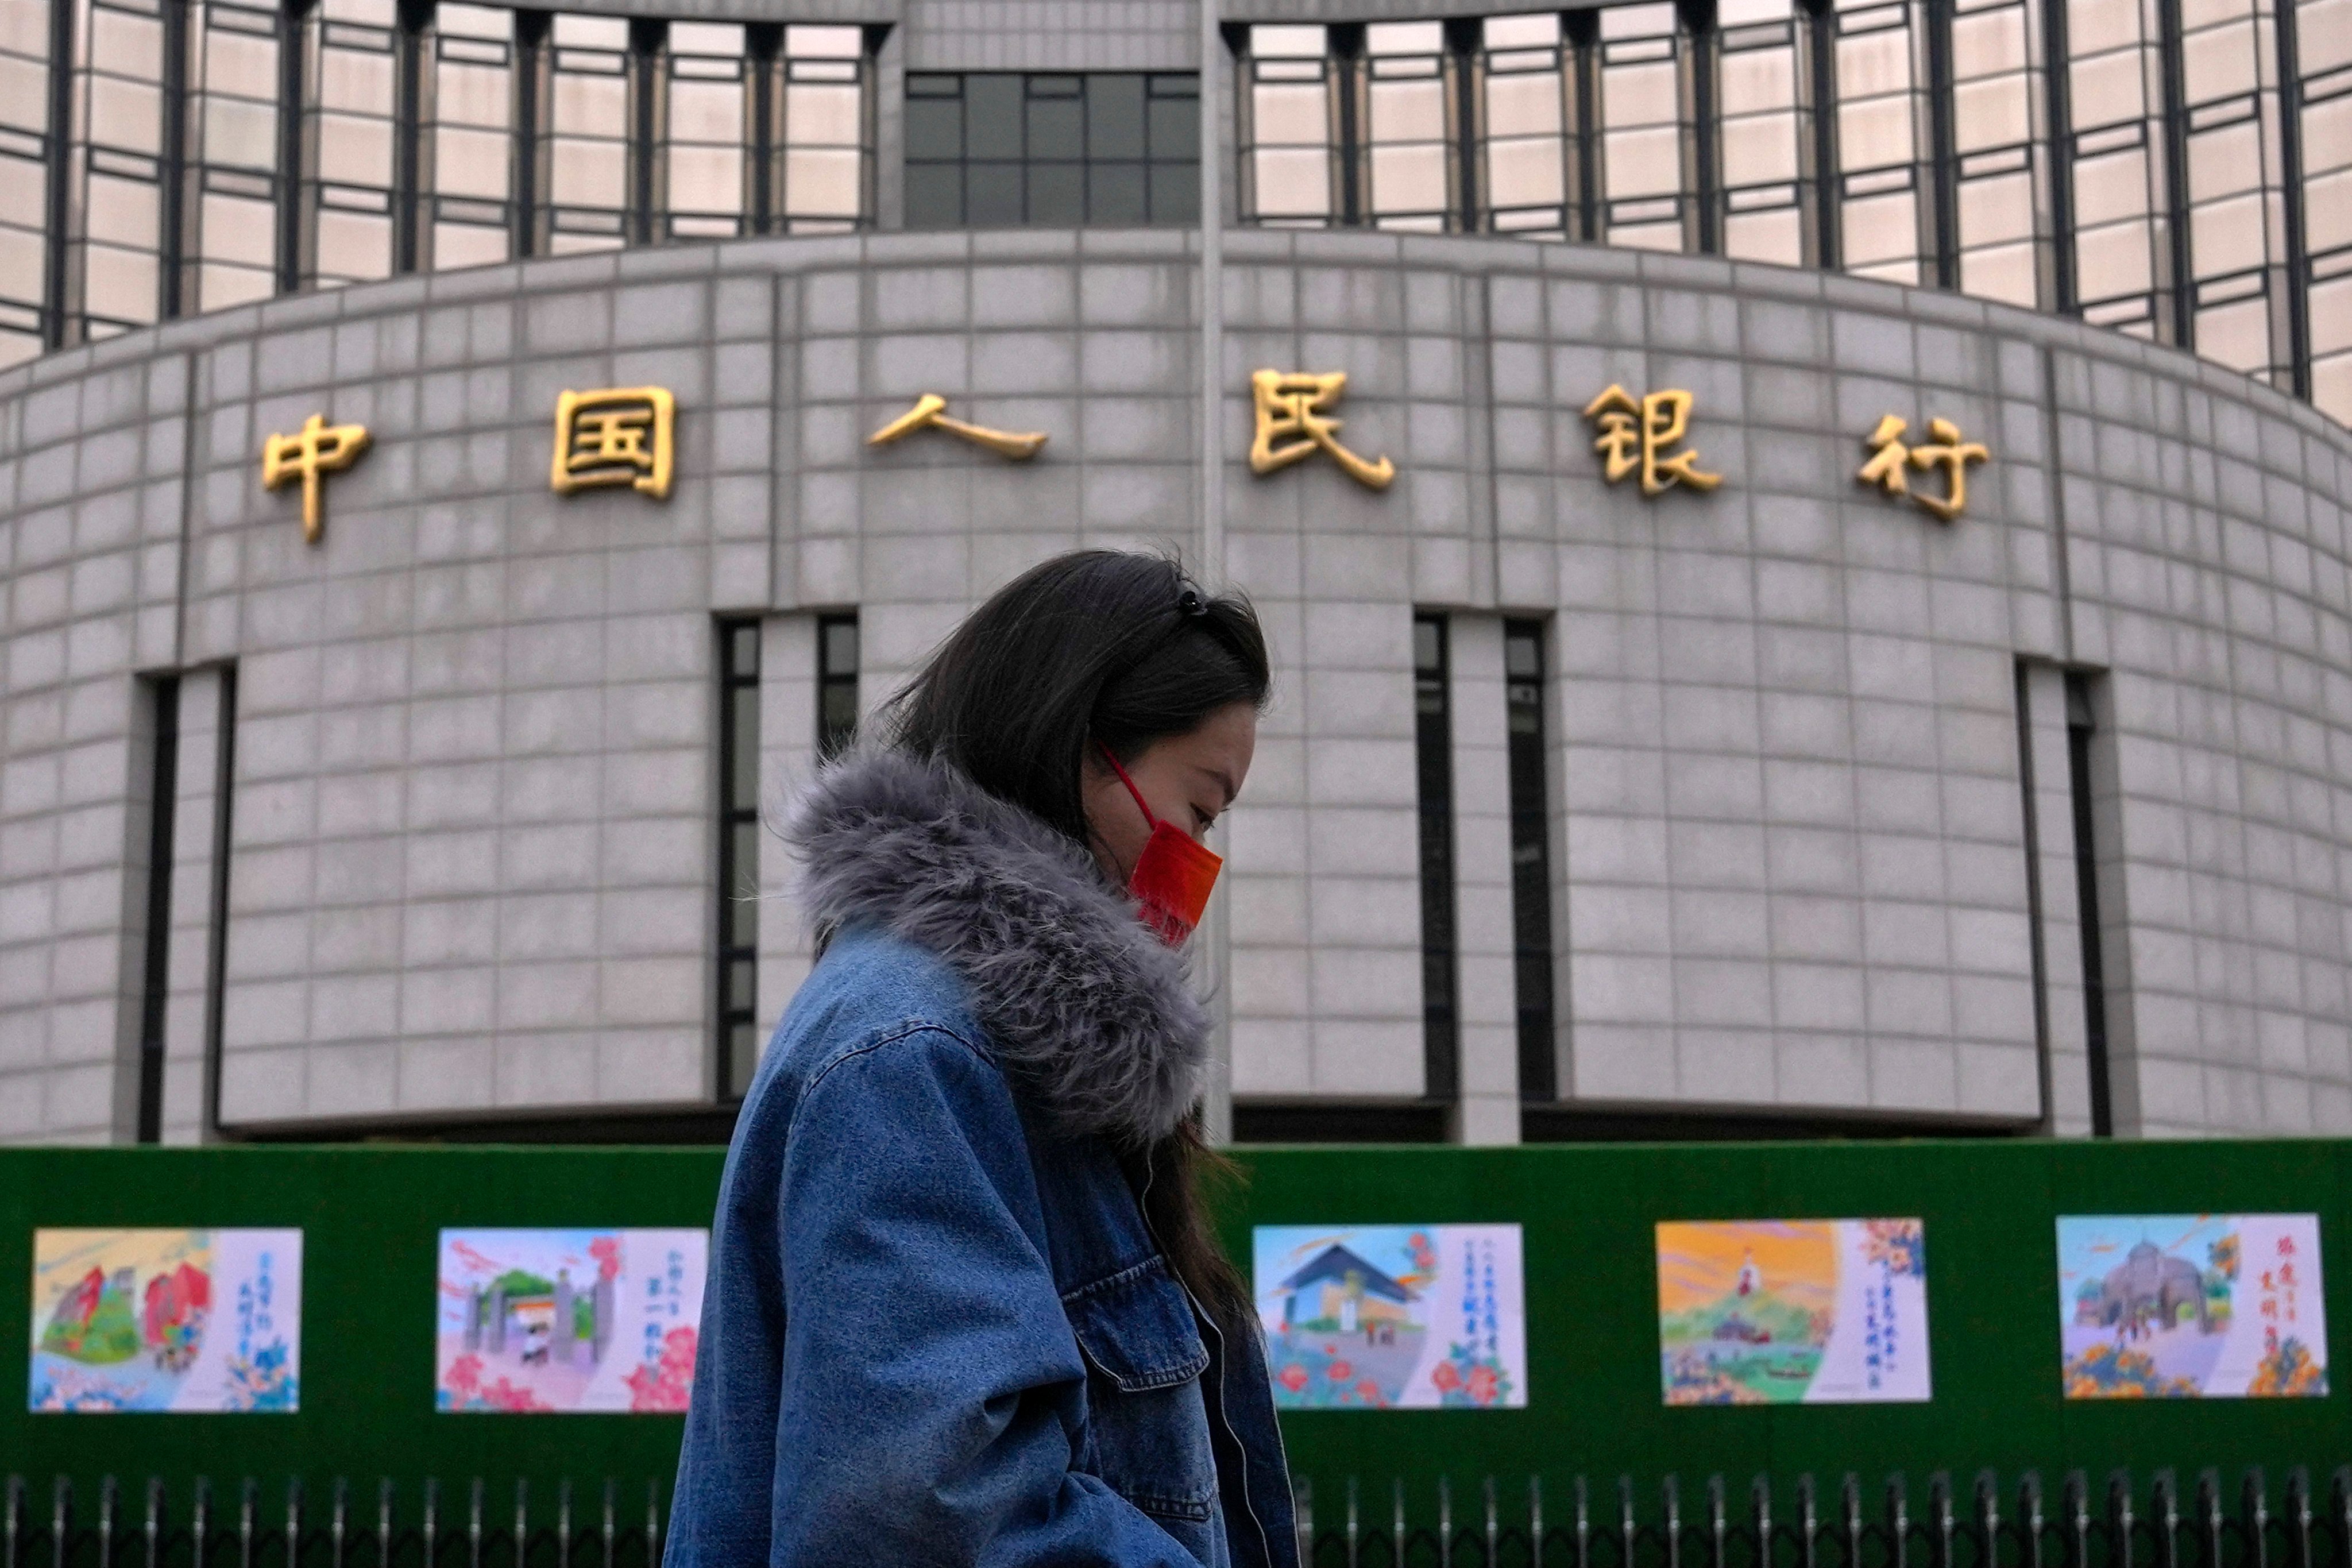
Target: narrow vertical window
x=1410 y=177
x=1523 y=699
x=2080 y=728
x=586 y=201
x=826 y=135
x=1526 y=72
x=705 y=115
x=1996 y=73
x=739 y=853
x=1434 y=752
x=2322 y=70
x=1643 y=201
x=1764 y=132
x=1288 y=158
x=234 y=181
x=350 y=141
x=116 y=257
x=26 y=148
x=156 y=978
x=836 y=683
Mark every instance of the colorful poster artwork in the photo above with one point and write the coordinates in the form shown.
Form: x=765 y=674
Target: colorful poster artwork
x=2188 y=1306
x=1815 y=1311
x=167 y=1319
x=1381 y=1317
x=540 y=1322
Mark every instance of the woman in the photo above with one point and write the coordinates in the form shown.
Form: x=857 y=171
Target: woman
x=963 y=1305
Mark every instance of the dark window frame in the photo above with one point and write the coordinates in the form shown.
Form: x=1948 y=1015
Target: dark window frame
x=1441 y=964
x=1529 y=772
x=1165 y=166
x=736 y=929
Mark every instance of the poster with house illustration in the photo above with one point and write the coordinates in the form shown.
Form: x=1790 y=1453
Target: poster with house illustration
x=167 y=1319
x=534 y=1321
x=1815 y=1311
x=1381 y=1317
x=2172 y=1306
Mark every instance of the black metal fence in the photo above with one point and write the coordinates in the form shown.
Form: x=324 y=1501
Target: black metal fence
x=248 y=1527
x=2203 y=1524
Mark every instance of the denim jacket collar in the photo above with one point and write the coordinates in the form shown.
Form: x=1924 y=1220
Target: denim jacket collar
x=1081 y=1003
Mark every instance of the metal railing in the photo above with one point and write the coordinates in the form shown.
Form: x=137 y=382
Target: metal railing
x=428 y=1528
x=2206 y=1524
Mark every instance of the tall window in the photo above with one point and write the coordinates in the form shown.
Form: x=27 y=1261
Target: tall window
x=1528 y=175
x=1997 y=94
x=1523 y=674
x=233 y=148
x=471 y=136
x=1765 y=132
x=1408 y=124
x=1433 y=753
x=163 y=697
x=116 y=250
x=2081 y=735
x=824 y=170
x=1642 y=164
x=24 y=177
x=2324 y=54
x=1289 y=152
x=990 y=149
x=350 y=141
x=587 y=201
x=836 y=683
x=1882 y=142
x=2229 y=74
x=2118 y=174
x=739 y=853
x=706 y=131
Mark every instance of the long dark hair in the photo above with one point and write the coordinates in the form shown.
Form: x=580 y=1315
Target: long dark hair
x=1095 y=647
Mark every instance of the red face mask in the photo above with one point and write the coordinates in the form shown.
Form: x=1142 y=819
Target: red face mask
x=1172 y=876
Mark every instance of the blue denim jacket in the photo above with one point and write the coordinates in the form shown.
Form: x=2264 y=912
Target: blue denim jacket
x=936 y=1328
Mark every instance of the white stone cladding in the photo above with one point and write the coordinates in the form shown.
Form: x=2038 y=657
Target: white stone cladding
x=472 y=849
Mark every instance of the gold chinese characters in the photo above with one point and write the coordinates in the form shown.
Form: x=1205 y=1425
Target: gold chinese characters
x=317 y=449
x=931 y=409
x=1638 y=436
x=1947 y=451
x=616 y=435
x=1291 y=428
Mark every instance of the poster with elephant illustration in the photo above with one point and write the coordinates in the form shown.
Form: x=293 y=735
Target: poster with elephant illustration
x=1793 y=1311
x=167 y=1320
x=1386 y=1317
x=2180 y=1306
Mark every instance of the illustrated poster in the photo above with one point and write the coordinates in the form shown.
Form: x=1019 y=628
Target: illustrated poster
x=1826 y=1312
x=2214 y=1306
x=1380 y=1317
x=534 y=1321
x=166 y=1320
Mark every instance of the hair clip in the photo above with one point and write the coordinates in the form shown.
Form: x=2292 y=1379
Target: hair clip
x=1189 y=605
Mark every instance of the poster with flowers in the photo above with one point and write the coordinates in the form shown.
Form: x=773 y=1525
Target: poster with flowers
x=542 y=1321
x=1382 y=1317
x=2204 y=1306
x=1777 y=1311
x=167 y=1319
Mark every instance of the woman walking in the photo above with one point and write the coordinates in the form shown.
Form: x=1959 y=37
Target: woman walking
x=963 y=1304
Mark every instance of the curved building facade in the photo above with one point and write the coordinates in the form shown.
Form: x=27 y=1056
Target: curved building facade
x=1713 y=694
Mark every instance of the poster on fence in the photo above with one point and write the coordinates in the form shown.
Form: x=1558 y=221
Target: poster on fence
x=539 y=1321
x=1380 y=1316
x=166 y=1320
x=2174 y=1306
x=1815 y=1311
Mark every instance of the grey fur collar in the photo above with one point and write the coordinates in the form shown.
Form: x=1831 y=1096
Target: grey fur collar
x=1082 y=1005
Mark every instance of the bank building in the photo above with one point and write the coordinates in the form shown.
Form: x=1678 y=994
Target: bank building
x=1802 y=540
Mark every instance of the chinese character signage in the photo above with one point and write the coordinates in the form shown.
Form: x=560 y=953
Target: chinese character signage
x=308 y=455
x=166 y=1320
x=616 y=435
x=568 y=1320
x=1383 y=1317
x=1646 y=437
x=1944 y=451
x=929 y=413
x=1828 y=1312
x=2191 y=1306
x=1293 y=419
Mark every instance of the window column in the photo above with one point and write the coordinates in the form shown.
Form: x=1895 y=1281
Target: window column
x=1528 y=162
x=704 y=181
x=1290 y=106
x=1531 y=814
x=2001 y=139
x=474 y=89
x=1409 y=128
x=737 y=881
x=1764 y=133
x=1885 y=193
x=2323 y=36
x=2111 y=153
x=353 y=131
x=824 y=168
x=2053 y=899
x=1643 y=197
x=27 y=148
x=1440 y=944
x=584 y=204
x=235 y=221
x=120 y=249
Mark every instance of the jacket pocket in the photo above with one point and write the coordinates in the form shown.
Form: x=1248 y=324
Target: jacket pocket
x=1146 y=1427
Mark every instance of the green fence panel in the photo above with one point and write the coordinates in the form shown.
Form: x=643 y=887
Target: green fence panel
x=370 y=1218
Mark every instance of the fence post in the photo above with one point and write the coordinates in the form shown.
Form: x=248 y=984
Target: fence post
x=562 y=1526
x=2254 y=1518
x=522 y=1520
x=1987 y=1520
x=1898 y=1520
x=1809 y=1524
x=2298 y=1517
x=1626 y=1536
x=1849 y=1508
x=1396 y=1516
x=200 y=1518
x=1583 y=1524
x=293 y=1521
x=2029 y=1518
x=1715 y=1521
x=384 y=1521
x=2120 y=1519
x=1939 y=1512
x=249 y=1503
x=1760 y=1516
x=2076 y=1502
x=12 y=1531
x=2209 y=1515
x=2339 y=1512
x=1535 y=1522
x=108 y=1503
x=1670 y=1492
x=60 y=1519
x=612 y=1508
x=337 y=1522
x=653 y=1523
x=155 y=1526
x=1302 y=1516
x=1494 y=1522
x=1444 y=1522
x=1354 y=1526
x=432 y=1521
x=2164 y=1514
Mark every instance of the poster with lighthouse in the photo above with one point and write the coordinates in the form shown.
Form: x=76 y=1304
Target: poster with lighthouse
x=545 y=1322
x=1816 y=1312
